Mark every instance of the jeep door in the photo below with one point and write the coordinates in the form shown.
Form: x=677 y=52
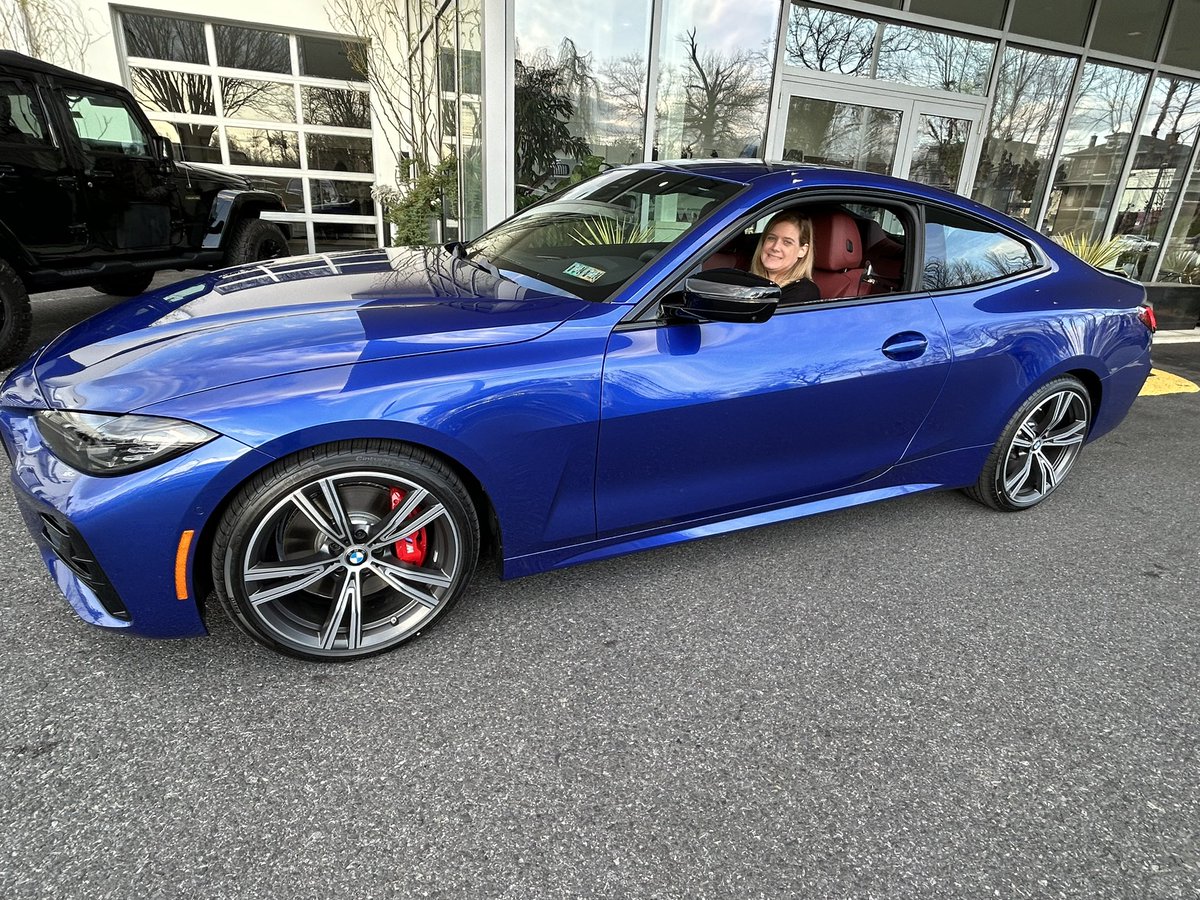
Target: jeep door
x=39 y=190
x=127 y=189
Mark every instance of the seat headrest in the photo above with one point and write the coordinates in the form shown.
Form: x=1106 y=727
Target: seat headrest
x=836 y=242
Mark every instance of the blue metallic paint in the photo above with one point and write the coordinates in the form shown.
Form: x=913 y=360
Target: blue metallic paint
x=590 y=436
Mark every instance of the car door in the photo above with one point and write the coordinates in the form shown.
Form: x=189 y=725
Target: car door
x=129 y=195
x=708 y=419
x=39 y=190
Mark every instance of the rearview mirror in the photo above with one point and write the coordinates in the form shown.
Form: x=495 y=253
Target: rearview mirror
x=724 y=295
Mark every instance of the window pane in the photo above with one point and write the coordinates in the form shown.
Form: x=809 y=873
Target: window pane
x=1130 y=29
x=1181 y=255
x=338 y=153
x=21 y=119
x=176 y=92
x=828 y=41
x=263 y=147
x=1183 y=49
x=841 y=134
x=1159 y=170
x=960 y=251
x=266 y=100
x=850 y=45
x=1014 y=167
x=333 y=237
x=335 y=106
x=341 y=198
x=106 y=125
x=160 y=37
x=326 y=58
x=252 y=48
x=580 y=98
x=714 y=80
x=1062 y=20
x=988 y=13
x=934 y=59
x=290 y=190
x=937 y=155
x=1094 y=149
x=193 y=143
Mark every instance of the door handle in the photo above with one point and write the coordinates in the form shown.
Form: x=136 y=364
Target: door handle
x=905 y=345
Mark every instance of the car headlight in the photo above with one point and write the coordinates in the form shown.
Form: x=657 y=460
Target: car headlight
x=101 y=444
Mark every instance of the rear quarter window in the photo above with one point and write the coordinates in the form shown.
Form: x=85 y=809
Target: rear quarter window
x=961 y=251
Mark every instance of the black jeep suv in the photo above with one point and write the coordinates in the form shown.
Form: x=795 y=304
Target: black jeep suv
x=91 y=195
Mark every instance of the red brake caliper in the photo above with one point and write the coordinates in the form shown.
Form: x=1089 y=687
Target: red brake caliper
x=412 y=548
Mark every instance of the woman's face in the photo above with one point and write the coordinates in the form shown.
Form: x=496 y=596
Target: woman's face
x=782 y=248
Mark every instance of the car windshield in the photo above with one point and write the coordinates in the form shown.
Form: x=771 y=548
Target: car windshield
x=593 y=238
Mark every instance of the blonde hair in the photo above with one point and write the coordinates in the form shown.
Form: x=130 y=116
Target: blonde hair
x=804 y=266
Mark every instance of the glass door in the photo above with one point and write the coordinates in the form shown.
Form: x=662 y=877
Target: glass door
x=927 y=140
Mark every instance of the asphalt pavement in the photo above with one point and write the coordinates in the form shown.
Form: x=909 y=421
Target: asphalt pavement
x=918 y=699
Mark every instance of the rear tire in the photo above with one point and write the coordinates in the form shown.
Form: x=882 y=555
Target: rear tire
x=16 y=315
x=318 y=556
x=254 y=240
x=1037 y=448
x=129 y=285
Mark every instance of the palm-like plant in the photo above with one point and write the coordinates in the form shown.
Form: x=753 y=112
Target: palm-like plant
x=603 y=230
x=1101 y=254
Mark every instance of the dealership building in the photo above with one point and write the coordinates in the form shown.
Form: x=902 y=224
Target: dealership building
x=1076 y=116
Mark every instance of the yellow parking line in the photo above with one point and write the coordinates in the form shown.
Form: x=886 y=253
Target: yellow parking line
x=1161 y=382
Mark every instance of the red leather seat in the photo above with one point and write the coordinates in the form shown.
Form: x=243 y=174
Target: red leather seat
x=837 y=256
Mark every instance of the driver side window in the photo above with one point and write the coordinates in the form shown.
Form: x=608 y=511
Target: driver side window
x=105 y=124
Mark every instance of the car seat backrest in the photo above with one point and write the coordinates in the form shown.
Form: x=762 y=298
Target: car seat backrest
x=837 y=256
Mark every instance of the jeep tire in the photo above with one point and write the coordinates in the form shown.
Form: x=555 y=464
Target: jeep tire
x=253 y=240
x=15 y=315
x=128 y=285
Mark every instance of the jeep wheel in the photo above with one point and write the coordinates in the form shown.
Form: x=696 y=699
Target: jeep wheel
x=253 y=240
x=128 y=285
x=15 y=315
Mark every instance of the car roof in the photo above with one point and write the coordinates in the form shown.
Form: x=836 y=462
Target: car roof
x=14 y=60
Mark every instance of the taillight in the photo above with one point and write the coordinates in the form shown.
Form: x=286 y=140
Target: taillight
x=1146 y=317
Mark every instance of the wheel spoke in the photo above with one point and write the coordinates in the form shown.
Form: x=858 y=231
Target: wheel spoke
x=397 y=529
x=1062 y=405
x=296 y=575
x=330 y=528
x=1073 y=434
x=1014 y=483
x=340 y=520
x=347 y=605
x=396 y=578
x=434 y=577
x=1047 y=476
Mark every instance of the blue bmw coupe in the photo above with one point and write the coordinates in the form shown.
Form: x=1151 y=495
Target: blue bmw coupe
x=664 y=352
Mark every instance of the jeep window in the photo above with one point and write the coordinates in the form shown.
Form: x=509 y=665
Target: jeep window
x=21 y=120
x=105 y=124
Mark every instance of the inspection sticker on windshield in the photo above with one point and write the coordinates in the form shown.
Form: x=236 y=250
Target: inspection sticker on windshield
x=584 y=273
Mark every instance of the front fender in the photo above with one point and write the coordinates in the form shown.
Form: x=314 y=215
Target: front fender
x=232 y=205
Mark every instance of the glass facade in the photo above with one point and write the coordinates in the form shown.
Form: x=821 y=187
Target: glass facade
x=286 y=111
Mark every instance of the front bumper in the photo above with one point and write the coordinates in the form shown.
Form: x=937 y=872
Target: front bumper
x=111 y=544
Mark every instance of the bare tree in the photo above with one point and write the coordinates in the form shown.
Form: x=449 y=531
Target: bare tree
x=402 y=74
x=57 y=31
x=724 y=95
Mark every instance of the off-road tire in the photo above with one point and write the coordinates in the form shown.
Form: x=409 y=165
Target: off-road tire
x=16 y=315
x=253 y=240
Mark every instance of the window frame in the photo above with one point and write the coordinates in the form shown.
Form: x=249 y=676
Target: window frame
x=33 y=91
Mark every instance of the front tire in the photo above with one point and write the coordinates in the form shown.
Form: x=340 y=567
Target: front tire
x=16 y=315
x=254 y=240
x=345 y=551
x=1037 y=448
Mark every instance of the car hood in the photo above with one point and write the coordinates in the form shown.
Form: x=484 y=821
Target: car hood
x=291 y=315
x=214 y=177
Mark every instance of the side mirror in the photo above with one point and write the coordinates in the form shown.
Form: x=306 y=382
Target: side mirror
x=163 y=150
x=724 y=295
